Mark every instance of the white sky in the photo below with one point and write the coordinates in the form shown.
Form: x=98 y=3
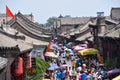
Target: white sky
x=43 y=9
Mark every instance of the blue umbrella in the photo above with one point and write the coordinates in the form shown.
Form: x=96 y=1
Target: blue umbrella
x=51 y=68
x=70 y=51
x=53 y=65
x=114 y=71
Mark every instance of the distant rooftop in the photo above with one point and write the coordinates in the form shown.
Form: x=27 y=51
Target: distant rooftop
x=74 y=20
x=115 y=13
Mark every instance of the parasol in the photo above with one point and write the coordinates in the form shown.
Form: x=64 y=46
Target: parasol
x=78 y=47
x=53 y=66
x=116 y=78
x=64 y=66
x=113 y=71
x=88 y=51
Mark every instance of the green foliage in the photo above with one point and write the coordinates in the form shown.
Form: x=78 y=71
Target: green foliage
x=41 y=66
x=50 y=21
x=111 y=63
x=37 y=23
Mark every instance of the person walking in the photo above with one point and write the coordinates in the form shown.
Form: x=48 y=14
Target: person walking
x=84 y=76
x=62 y=75
x=67 y=74
x=58 y=74
x=70 y=73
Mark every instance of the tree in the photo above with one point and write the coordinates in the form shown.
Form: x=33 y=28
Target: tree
x=41 y=67
x=37 y=23
x=50 y=21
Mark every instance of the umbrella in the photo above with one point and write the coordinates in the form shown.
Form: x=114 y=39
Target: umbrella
x=51 y=54
x=83 y=45
x=63 y=65
x=70 y=44
x=70 y=51
x=78 y=48
x=116 y=78
x=51 y=68
x=113 y=71
x=88 y=51
x=54 y=66
x=55 y=46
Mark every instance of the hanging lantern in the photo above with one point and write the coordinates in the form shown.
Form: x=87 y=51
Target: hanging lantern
x=19 y=67
x=28 y=63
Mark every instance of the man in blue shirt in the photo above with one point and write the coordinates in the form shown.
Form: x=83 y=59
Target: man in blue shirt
x=84 y=76
x=58 y=75
x=62 y=75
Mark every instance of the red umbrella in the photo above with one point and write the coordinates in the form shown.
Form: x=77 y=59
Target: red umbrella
x=78 y=48
x=51 y=54
x=64 y=65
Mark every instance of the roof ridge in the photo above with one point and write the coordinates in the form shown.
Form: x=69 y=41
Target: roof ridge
x=35 y=26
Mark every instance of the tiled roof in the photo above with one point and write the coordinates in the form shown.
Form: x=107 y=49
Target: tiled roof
x=28 y=39
x=32 y=29
x=9 y=42
x=74 y=20
x=115 y=13
x=32 y=24
x=2 y=15
x=114 y=32
x=85 y=36
x=81 y=29
x=27 y=27
x=71 y=21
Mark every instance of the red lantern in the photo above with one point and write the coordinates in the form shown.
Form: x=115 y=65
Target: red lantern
x=28 y=63
x=19 y=67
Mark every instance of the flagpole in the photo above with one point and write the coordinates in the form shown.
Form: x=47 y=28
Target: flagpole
x=8 y=14
x=6 y=19
x=6 y=23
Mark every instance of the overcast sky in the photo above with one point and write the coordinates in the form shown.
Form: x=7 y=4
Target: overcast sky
x=43 y=9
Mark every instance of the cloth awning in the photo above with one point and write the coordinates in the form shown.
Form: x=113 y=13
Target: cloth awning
x=51 y=54
x=88 y=51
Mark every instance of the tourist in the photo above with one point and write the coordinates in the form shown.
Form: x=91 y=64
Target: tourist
x=84 y=76
x=62 y=75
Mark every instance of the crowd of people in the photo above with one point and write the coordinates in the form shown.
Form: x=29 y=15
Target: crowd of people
x=77 y=67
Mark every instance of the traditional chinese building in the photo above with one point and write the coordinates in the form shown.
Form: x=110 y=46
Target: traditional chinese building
x=19 y=39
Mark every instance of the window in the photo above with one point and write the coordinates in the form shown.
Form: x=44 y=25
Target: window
x=3 y=21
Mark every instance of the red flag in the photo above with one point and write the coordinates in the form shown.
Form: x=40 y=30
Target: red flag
x=9 y=13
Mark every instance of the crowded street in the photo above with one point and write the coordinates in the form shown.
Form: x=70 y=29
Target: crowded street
x=59 y=40
x=69 y=64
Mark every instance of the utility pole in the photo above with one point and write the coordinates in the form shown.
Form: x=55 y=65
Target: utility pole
x=56 y=27
x=95 y=34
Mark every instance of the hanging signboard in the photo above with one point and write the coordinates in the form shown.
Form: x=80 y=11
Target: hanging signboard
x=33 y=62
x=31 y=71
